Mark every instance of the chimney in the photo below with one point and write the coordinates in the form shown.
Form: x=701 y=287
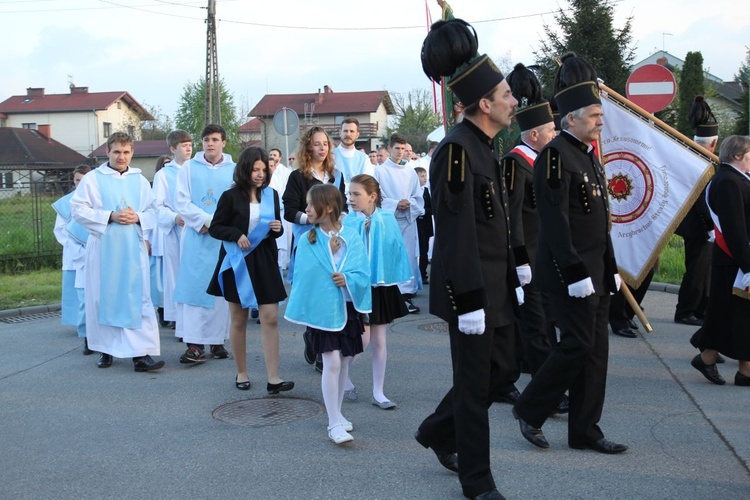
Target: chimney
x=35 y=92
x=319 y=99
x=662 y=61
x=45 y=130
x=327 y=89
x=79 y=90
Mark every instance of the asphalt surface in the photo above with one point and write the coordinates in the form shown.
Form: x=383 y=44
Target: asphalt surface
x=71 y=430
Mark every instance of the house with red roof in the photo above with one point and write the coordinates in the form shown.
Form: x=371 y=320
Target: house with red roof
x=327 y=109
x=80 y=119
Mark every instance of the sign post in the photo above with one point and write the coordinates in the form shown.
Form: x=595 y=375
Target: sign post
x=286 y=122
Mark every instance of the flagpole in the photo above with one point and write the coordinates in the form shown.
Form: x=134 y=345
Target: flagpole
x=665 y=126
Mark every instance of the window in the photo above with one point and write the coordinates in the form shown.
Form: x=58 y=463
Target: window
x=131 y=131
x=339 y=119
x=119 y=105
x=6 y=180
x=107 y=130
x=29 y=126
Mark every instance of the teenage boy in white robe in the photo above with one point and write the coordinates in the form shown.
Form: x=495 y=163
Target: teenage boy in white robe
x=349 y=160
x=114 y=203
x=279 y=177
x=402 y=195
x=170 y=222
x=201 y=318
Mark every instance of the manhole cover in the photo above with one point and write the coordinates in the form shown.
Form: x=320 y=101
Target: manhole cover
x=30 y=317
x=267 y=411
x=439 y=326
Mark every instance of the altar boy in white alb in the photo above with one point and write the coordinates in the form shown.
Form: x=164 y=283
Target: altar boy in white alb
x=201 y=318
x=170 y=222
x=114 y=203
x=402 y=195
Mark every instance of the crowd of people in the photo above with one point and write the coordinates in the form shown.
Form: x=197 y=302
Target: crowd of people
x=521 y=256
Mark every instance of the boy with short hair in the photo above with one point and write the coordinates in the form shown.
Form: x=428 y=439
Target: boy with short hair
x=115 y=205
x=201 y=318
x=170 y=222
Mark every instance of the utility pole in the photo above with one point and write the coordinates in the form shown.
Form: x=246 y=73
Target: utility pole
x=213 y=92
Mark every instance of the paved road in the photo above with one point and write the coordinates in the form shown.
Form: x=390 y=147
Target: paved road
x=71 y=430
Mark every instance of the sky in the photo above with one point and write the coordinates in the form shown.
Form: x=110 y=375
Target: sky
x=153 y=48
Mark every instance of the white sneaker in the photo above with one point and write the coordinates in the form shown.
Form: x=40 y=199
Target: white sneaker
x=338 y=434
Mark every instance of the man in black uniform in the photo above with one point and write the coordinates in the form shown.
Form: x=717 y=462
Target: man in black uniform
x=537 y=129
x=474 y=283
x=575 y=264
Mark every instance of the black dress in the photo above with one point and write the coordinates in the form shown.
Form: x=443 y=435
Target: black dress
x=229 y=223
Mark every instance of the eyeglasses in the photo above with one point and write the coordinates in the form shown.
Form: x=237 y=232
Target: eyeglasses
x=292 y=158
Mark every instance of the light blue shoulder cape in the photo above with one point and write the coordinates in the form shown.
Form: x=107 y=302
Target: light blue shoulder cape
x=315 y=301
x=389 y=263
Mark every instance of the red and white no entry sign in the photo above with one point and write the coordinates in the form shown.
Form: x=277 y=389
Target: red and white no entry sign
x=651 y=87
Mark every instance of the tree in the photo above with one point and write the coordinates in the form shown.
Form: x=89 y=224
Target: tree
x=743 y=78
x=588 y=31
x=691 y=85
x=159 y=127
x=191 y=114
x=415 y=117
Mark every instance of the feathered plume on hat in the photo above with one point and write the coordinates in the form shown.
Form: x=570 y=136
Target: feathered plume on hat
x=524 y=85
x=448 y=46
x=573 y=70
x=702 y=119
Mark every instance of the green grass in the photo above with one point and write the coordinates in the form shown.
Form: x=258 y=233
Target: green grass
x=671 y=262
x=23 y=232
x=34 y=288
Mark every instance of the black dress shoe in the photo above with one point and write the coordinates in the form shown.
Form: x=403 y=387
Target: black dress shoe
x=493 y=494
x=86 y=350
x=625 y=332
x=146 y=364
x=243 y=386
x=720 y=359
x=708 y=371
x=447 y=460
x=533 y=435
x=287 y=385
x=602 y=446
x=105 y=361
x=632 y=324
x=563 y=406
x=508 y=397
x=689 y=320
x=741 y=380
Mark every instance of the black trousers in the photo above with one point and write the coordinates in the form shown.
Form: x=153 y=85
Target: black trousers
x=693 y=295
x=578 y=364
x=424 y=231
x=532 y=328
x=460 y=423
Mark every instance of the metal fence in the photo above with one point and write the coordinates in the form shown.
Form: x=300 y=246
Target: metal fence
x=26 y=215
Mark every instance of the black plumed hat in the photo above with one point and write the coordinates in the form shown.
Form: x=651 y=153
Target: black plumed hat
x=702 y=119
x=447 y=47
x=577 y=96
x=475 y=80
x=533 y=116
x=573 y=70
x=524 y=85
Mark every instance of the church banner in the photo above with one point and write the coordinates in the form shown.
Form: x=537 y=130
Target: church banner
x=654 y=175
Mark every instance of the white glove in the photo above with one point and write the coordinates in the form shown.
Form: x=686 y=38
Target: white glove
x=581 y=289
x=746 y=280
x=519 y=295
x=472 y=323
x=524 y=274
x=711 y=236
x=618 y=281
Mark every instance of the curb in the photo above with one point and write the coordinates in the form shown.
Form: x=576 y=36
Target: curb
x=25 y=311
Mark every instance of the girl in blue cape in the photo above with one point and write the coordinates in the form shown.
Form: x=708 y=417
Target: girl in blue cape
x=331 y=288
x=389 y=266
x=248 y=221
